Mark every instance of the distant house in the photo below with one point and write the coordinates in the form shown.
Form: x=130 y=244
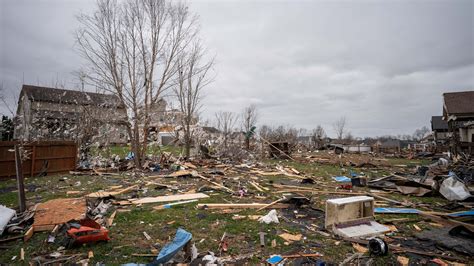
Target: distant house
x=210 y=134
x=458 y=112
x=305 y=140
x=388 y=146
x=439 y=127
x=56 y=114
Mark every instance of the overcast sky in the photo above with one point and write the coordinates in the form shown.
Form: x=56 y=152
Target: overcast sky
x=382 y=64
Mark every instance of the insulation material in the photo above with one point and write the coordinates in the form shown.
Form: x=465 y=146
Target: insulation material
x=6 y=214
x=271 y=217
x=453 y=189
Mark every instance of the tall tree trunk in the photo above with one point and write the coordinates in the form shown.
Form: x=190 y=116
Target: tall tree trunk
x=136 y=145
x=187 y=144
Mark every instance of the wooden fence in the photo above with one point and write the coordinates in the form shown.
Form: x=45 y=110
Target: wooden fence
x=44 y=158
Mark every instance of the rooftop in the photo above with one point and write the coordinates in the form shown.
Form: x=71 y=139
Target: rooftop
x=437 y=123
x=46 y=94
x=459 y=102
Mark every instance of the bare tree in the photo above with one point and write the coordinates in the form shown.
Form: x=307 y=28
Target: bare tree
x=348 y=138
x=318 y=135
x=193 y=76
x=340 y=127
x=3 y=99
x=226 y=123
x=132 y=49
x=420 y=133
x=249 y=121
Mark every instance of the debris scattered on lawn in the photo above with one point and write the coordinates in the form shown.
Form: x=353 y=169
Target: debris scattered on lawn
x=271 y=217
x=338 y=207
x=291 y=238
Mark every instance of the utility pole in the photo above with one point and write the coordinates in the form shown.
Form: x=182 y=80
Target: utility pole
x=20 y=180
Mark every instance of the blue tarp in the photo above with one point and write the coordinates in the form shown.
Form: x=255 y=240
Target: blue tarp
x=275 y=259
x=395 y=210
x=169 y=250
x=462 y=214
x=342 y=179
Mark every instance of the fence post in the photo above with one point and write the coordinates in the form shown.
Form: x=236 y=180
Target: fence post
x=20 y=180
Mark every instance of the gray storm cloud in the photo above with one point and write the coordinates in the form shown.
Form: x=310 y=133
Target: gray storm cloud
x=384 y=65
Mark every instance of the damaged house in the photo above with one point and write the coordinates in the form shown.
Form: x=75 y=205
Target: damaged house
x=56 y=114
x=439 y=127
x=458 y=112
x=164 y=124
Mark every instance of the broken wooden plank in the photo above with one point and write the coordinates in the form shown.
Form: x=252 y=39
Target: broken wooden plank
x=255 y=186
x=28 y=234
x=169 y=198
x=10 y=239
x=167 y=206
x=147 y=236
x=73 y=192
x=301 y=255
x=290 y=237
x=110 y=220
x=216 y=184
x=389 y=200
x=271 y=204
x=144 y=255
x=259 y=186
x=321 y=192
x=240 y=205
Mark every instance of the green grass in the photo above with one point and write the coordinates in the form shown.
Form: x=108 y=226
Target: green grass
x=207 y=226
